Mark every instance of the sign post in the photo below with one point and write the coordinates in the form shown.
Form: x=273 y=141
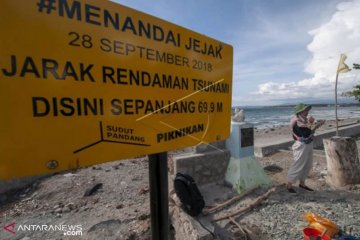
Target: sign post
x=87 y=82
x=159 y=196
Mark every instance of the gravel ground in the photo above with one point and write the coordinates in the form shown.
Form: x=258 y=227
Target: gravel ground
x=119 y=208
x=282 y=215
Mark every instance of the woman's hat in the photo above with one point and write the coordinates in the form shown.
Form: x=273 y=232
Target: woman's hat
x=301 y=107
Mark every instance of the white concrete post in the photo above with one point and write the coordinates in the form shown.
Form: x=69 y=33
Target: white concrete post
x=244 y=171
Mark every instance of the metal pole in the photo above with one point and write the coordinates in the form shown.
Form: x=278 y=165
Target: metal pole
x=336 y=115
x=159 y=196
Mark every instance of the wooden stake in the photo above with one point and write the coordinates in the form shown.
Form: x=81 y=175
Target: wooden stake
x=257 y=202
x=240 y=228
x=205 y=212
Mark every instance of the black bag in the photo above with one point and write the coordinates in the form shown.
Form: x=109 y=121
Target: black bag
x=189 y=194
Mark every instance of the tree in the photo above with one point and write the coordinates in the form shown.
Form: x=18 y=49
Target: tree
x=356 y=91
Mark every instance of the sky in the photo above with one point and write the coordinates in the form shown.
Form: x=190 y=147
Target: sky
x=285 y=51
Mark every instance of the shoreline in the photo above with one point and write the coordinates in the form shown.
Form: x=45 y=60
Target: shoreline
x=261 y=127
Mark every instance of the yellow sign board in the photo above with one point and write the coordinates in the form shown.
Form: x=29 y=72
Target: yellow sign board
x=83 y=83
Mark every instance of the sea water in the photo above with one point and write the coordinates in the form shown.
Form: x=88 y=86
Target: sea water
x=272 y=116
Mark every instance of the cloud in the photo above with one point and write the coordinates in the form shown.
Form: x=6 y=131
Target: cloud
x=341 y=34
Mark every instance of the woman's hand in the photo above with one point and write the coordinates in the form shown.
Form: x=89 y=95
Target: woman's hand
x=311 y=119
x=307 y=140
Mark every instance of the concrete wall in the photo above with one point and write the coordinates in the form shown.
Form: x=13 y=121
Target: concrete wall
x=207 y=164
x=318 y=142
x=206 y=167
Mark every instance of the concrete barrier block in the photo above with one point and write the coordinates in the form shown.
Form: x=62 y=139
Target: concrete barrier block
x=207 y=167
x=201 y=148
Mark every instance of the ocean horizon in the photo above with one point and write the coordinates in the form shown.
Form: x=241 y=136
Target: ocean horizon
x=274 y=116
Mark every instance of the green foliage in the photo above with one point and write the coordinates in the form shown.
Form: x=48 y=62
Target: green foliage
x=356 y=91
